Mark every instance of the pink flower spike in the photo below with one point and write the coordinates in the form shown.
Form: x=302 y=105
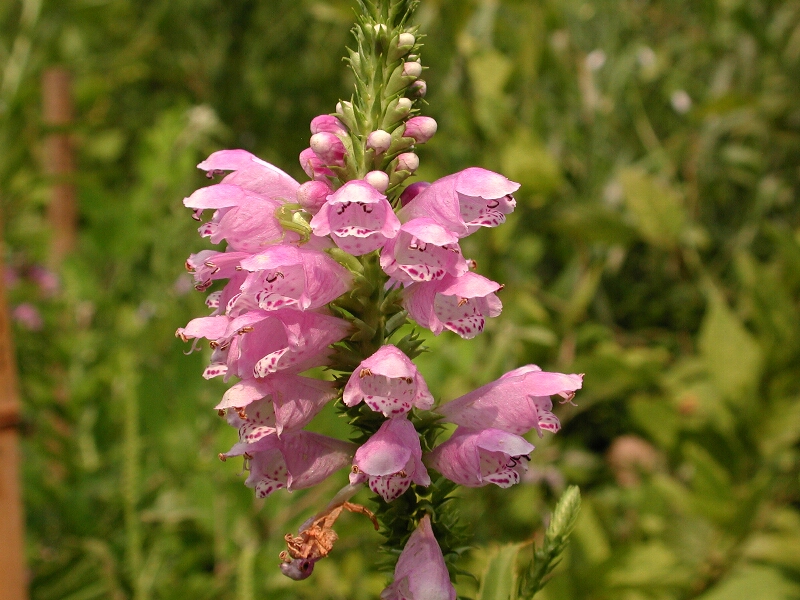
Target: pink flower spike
x=474 y=458
x=517 y=402
x=327 y=123
x=295 y=461
x=423 y=251
x=390 y=460
x=358 y=217
x=421 y=129
x=290 y=277
x=313 y=166
x=421 y=573
x=328 y=148
x=465 y=201
x=460 y=304
x=389 y=383
x=295 y=400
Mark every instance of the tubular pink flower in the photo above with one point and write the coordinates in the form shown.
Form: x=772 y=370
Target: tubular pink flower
x=423 y=251
x=251 y=174
x=465 y=201
x=358 y=217
x=460 y=304
x=477 y=457
x=327 y=123
x=290 y=277
x=421 y=129
x=311 y=195
x=284 y=340
x=328 y=148
x=293 y=401
x=245 y=219
x=295 y=461
x=389 y=383
x=209 y=265
x=412 y=191
x=421 y=573
x=517 y=402
x=313 y=166
x=390 y=460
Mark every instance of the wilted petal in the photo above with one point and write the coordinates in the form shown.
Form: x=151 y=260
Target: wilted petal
x=421 y=573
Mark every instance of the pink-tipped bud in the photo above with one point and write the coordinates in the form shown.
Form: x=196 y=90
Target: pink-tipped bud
x=328 y=148
x=418 y=89
x=412 y=69
x=420 y=128
x=313 y=166
x=377 y=179
x=312 y=194
x=379 y=141
x=412 y=191
x=408 y=161
x=327 y=123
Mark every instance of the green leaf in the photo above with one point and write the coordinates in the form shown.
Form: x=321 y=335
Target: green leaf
x=499 y=581
x=657 y=208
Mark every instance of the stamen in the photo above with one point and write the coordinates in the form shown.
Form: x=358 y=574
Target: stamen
x=364 y=373
x=221 y=412
x=222 y=456
x=462 y=301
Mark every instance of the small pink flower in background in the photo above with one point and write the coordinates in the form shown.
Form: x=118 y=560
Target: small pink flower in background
x=358 y=217
x=460 y=304
x=517 y=402
x=421 y=573
x=294 y=401
x=423 y=251
x=27 y=315
x=327 y=123
x=290 y=277
x=465 y=201
x=389 y=383
x=390 y=460
x=474 y=458
x=46 y=279
x=295 y=461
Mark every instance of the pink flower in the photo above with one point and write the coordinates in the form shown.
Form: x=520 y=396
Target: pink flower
x=465 y=201
x=327 y=123
x=290 y=401
x=423 y=251
x=314 y=166
x=27 y=315
x=474 y=458
x=295 y=461
x=517 y=402
x=208 y=265
x=358 y=218
x=390 y=460
x=421 y=573
x=412 y=191
x=251 y=174
x=290 y=277
x=389 y=383
x=328 y=148
x=460 y=304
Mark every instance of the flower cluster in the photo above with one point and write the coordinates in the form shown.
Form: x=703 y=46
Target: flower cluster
x=298 y=294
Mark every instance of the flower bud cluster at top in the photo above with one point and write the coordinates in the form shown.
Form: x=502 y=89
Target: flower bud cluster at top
x=325 y=273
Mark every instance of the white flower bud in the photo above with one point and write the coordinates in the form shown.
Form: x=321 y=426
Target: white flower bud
x=377 y=179
x=379 y=141
x=406 y=39
x=412 y=69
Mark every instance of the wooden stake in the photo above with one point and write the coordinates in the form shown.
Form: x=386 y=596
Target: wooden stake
x=13 y=576
x=59 y=162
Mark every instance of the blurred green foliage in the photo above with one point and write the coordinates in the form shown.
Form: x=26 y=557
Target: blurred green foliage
x=656 y=248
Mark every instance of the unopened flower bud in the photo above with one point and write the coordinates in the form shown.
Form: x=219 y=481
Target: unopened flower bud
x=377 y=179
x=327 y=123
x=411 y=191
x=406 y=39
x=328 y=148
x=412 y=69
x=401 y=45
x=418 y=89
x=396 y=111
x=312 y=194
x=379 y=141
x=345 y=111
x=408 y=161
x=420 y=128
x=313 y=166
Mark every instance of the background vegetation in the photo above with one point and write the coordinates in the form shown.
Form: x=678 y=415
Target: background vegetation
x=655 y=248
